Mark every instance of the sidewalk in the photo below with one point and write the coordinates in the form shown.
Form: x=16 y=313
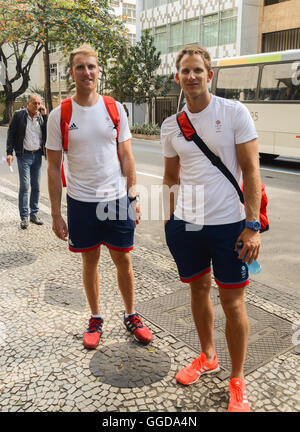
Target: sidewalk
x=43 y=313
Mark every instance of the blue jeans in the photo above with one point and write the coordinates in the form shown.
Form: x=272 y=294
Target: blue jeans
x=29 y=166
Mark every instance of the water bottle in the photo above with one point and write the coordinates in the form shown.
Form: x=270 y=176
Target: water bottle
x=254 y=267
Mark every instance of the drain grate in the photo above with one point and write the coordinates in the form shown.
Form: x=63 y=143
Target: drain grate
x=129 y=365
x=268 y=335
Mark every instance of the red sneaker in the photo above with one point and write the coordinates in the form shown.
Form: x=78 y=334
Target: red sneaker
x=141 y=333
x=200 y=366
x=93 y=333
x=238 y=399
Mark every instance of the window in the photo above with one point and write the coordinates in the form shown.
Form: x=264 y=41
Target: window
x=192 y=31
x=281 y=40
x=129 y=13
x=160 y=2
x=238 y=83
x=210 y=30
x=280 y=82
x=132 y=38
x=160 y=39
x=148 y=4
x=228 y=27
x=53 y=71
x=52 y=47
x=175 y=37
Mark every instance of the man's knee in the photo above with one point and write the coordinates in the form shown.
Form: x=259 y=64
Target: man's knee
x=121 y=259
x=91 y=258
x=233 y=303
x=202 y=285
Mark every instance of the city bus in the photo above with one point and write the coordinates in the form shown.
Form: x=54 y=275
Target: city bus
x=269 y=85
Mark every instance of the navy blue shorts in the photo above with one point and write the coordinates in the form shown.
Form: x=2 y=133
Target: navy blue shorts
x=91 y=224
x=194 y=249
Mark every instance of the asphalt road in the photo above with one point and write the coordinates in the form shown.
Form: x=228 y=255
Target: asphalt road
x=280 y=252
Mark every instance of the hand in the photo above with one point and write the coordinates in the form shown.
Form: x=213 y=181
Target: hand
x=43 y=110
x=137 y=212
x=9 y=159
x=59 y=227
x=251 y=245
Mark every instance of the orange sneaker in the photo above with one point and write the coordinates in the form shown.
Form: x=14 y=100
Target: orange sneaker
x=238 y=399
x=190 y=374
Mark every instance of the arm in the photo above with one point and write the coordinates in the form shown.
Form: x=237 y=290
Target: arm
x=171 y=182
x=248 y=158
x=128 y=170
x=59 y=226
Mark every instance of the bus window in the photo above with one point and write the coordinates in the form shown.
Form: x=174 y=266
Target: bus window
x=237 y=83
x=279 y=82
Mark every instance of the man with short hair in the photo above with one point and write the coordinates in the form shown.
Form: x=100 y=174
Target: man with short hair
x=206 y=223
x=98 y=205
x=27 y=137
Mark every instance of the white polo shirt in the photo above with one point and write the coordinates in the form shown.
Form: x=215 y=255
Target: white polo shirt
x=206 y=196
x=94 y=172
x=33 y=134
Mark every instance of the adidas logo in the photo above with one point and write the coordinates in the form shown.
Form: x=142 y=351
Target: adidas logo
x=73 y=127
x=180 y=134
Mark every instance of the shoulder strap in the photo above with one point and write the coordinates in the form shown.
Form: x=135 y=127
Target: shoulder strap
x=190 y=134
x=65 y=118
x=113 y=112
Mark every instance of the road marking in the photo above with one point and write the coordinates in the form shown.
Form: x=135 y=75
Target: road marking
x=281 y=171
x=149 y=175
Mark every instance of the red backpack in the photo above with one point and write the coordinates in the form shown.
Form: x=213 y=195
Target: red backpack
x=65 y=118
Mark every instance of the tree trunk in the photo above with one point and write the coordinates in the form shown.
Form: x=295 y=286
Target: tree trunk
x=150 y=110
x=8 y=111
x=48 y=95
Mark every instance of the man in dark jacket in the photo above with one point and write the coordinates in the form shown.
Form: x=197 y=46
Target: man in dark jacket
x=27 y=137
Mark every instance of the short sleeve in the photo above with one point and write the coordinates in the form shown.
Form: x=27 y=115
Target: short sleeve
x=54 y=138
x=124 y=133
x=167 y=135
x=243 y=125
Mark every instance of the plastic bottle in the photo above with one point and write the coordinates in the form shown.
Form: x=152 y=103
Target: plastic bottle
x=254 y=267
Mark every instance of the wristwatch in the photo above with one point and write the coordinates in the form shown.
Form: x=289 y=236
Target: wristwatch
x=136 y=198
x=254 y=225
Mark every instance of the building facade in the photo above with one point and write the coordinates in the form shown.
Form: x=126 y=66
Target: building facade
x=225 y=27
x=279 y=25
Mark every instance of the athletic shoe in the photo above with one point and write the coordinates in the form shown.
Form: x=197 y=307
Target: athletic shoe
x=141 y=333
x=238 y=399
x=200 y=366
x=93 y=333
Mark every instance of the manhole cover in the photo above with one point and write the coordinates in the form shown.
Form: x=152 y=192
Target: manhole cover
x=129 y=365
x=16 y=259
x=268 y=336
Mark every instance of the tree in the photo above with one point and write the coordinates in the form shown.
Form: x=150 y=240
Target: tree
x=28 y=26
x=134 y=76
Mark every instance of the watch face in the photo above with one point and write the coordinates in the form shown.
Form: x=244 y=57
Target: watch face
x=256 y=225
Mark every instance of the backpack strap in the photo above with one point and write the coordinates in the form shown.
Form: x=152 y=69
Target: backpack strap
x=113 y=112
x=190 y=134
x=65 y=118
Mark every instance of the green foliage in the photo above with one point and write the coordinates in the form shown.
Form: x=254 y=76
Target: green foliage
x=134 y=77
x=146 y=129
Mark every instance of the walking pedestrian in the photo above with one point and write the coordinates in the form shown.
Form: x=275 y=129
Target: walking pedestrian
x=27 y=137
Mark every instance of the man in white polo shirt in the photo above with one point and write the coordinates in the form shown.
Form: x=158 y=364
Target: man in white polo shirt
x=99 y=176
x=206 y=223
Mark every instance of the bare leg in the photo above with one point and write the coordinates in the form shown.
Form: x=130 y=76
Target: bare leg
x=203 y=314
x=90 y=277
x=122 y=261
x=237 y=328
